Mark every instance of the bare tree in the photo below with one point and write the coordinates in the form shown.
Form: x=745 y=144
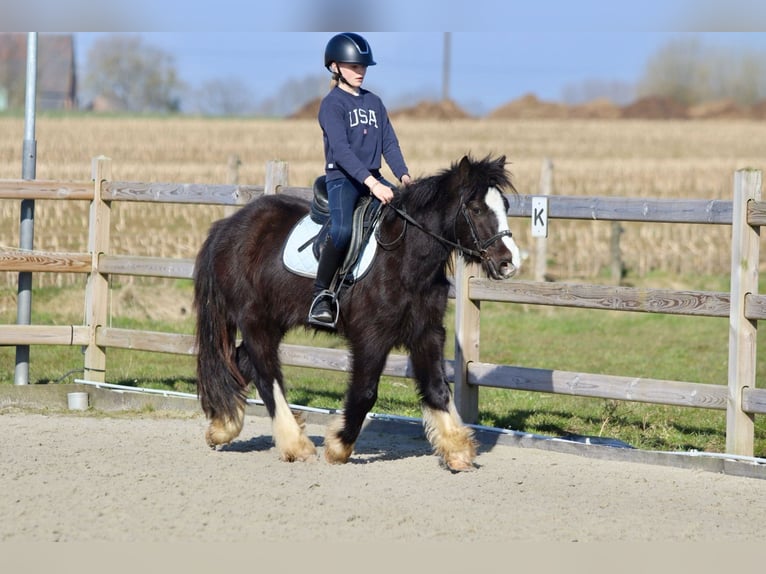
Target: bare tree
x=133 y=75
x=691 y=72
x=223 y=97
x=617 y=92
x=678 y=70
x=592 y=89
x=293 y=94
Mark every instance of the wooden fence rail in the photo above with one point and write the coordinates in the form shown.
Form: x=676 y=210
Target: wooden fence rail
x=745 y=214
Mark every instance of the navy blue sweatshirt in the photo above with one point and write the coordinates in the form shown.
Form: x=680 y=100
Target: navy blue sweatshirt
x=356 y=131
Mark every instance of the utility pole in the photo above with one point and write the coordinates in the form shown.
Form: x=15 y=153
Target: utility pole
x=446 y=64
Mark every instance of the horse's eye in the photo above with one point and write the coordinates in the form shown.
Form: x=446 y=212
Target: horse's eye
x=476 y=210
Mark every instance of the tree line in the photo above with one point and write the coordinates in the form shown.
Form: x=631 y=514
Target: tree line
x=125 y=73
x=692 y=72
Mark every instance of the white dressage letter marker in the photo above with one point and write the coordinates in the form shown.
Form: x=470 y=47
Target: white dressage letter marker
x=539 y=217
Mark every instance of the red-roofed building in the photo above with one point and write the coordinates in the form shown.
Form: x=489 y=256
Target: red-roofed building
x=56 y=77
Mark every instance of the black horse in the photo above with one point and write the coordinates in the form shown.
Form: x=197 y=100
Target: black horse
x=240 y=283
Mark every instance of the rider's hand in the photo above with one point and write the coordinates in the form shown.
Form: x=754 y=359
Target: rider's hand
x=406 y=179
x=382 y=192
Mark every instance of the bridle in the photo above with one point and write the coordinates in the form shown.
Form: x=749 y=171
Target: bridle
x=480 y=247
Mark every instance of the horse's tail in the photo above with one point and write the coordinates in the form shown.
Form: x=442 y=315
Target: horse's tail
x=220 y=385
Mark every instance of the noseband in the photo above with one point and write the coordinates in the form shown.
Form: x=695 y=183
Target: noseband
x=480 y=250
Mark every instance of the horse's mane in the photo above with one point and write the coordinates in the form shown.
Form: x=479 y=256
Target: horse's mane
x=470 y=176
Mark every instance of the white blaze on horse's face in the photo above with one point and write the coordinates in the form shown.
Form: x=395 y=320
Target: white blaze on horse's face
x=494 y=200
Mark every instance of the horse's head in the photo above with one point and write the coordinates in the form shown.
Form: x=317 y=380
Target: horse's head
x=481 y=224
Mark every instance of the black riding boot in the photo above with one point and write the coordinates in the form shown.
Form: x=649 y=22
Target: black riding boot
x=322 y=311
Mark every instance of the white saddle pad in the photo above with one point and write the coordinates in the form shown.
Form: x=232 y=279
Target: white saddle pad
x=304 y=263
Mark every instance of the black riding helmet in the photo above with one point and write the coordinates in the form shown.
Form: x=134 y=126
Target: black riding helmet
x=348 y=48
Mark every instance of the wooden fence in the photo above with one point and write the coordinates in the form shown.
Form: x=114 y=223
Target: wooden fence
x=745 y=214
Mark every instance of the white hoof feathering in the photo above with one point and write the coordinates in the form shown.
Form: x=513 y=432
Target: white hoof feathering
x=224 y=430
x=450 y=438
x=289 y=431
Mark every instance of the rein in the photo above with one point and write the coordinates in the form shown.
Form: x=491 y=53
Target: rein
x=481 y=248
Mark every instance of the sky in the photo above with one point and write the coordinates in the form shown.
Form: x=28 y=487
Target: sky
x=508 y=48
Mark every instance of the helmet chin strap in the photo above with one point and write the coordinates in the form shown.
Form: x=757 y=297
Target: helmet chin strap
x=340 y=78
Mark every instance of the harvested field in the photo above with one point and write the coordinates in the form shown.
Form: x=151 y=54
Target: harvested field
x=591 y=157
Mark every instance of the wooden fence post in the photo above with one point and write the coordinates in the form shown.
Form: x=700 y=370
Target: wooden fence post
x=740 y=428
x=233 y=178
x=232 y=166
x=277 y=175
x=541 y=243
x=97 y=288
x=615 y=253
x=467 y=330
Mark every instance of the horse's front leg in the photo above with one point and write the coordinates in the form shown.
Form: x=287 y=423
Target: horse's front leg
x=449 y=437
x=361 y=395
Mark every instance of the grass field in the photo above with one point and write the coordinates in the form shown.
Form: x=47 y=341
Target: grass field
x=629 y=344
x=674 y=159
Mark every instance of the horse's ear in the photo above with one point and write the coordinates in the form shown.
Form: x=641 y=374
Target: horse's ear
x=501 y=161
x=464 y=167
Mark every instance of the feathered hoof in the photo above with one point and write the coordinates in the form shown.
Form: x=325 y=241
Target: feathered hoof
x=452 y=441
x=337 y=455
x=460 y=462
x=290 y=435
x=335 y=450
x=223 y=430
x=303 y=450
x=459 y=453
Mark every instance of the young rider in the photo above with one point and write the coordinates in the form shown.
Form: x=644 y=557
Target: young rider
x=356 y=132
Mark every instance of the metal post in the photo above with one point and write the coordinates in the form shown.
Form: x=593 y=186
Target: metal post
x=27 y=215
x=446 y=64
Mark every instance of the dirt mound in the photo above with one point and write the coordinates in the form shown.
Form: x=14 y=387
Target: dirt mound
x=309 y=111
x=655 y=108
x=529 y=107
x=758 y=110
x=601 y=109
x=724 y=109
x=425 y=110
x=648 y=107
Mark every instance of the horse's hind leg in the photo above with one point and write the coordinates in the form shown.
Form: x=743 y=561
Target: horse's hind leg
x=223 y=403
x=449 y=437
x=225 y=428
x=289 y=429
